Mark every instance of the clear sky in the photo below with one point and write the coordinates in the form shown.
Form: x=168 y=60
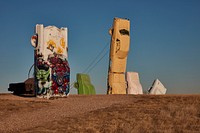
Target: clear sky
x=165 y=39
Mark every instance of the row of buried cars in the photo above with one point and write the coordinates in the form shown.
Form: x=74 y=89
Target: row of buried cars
x=84 y=86
x=52 y=72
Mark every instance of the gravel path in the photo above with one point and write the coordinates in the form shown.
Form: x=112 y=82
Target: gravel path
x=100 y=113
x=20 y=113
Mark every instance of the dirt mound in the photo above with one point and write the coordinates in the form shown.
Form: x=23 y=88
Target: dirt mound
x=101 y=113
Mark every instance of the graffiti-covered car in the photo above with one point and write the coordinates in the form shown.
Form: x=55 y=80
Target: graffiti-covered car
x=52 y=71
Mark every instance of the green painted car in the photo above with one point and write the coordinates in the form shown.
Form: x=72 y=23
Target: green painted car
x=84 y=85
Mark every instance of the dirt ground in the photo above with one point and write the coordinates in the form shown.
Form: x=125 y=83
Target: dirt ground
x=100 y=113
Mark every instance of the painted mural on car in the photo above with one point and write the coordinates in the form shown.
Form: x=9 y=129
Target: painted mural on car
x=52 y=71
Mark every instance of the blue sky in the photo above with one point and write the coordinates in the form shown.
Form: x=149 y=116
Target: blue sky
x=165 y=41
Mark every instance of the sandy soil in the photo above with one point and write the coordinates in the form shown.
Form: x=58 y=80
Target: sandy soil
x=100 y=113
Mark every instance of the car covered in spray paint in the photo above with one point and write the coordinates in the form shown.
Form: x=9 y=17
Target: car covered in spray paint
x=51 y=68
x=52 y=71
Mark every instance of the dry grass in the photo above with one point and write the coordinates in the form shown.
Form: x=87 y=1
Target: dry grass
x=129 y=114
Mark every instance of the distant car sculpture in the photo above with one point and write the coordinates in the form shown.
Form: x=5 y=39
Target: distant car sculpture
x=134 y=85
x=26 y=87
x=157 y=88
x=84 y=85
